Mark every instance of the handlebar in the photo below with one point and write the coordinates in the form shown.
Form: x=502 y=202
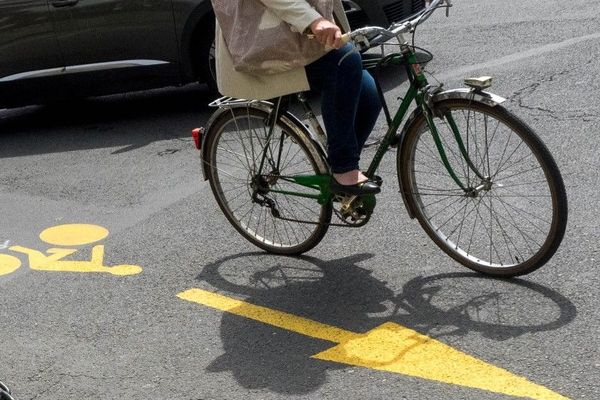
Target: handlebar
x=371 y=36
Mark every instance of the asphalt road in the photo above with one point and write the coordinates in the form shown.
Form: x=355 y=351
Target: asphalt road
x=127 y=163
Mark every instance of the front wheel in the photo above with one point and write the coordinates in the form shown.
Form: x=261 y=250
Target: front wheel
x=511 y=217
x=259 y=203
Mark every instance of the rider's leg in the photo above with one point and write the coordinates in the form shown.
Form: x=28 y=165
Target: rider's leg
x=339 y=77
x=369 y=106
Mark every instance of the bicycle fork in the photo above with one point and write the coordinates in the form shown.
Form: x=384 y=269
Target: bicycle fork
x=470 y=191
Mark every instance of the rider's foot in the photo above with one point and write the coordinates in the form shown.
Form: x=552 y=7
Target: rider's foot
x=377 y=180
x=351 y=177
x=353 y=183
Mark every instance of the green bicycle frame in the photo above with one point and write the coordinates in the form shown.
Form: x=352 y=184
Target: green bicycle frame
x=416 y=92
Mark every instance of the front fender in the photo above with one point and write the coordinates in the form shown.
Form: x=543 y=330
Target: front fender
x=487 y=98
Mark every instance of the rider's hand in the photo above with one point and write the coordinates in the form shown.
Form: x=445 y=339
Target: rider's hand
x=327 y=33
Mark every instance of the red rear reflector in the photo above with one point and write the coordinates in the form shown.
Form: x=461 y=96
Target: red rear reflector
x=197 y=136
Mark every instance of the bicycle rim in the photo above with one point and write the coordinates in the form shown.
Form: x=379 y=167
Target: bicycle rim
x=268 y=219
x=509 y=223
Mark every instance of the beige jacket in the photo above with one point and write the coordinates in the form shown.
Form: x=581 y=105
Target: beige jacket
x=299 y=14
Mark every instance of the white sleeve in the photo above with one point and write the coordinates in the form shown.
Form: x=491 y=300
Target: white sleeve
x=298 y=13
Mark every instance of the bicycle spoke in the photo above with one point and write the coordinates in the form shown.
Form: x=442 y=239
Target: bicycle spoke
x=238 y=131
x=278 y=222
x=516 y=225
x=502 y=223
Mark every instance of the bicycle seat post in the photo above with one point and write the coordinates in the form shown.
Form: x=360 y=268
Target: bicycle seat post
x=281 y=105
x=312 y=119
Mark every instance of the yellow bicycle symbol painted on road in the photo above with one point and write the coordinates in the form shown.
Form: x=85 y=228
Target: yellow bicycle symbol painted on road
x=53 y=260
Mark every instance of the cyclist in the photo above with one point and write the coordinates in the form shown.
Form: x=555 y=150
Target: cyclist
x=350 y=104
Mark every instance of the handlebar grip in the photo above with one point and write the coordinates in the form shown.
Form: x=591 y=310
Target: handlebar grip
x=346 y=37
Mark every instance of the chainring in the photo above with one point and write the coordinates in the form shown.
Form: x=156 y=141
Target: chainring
x=354 y=211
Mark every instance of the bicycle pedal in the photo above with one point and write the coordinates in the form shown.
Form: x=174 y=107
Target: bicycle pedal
x=377 y=180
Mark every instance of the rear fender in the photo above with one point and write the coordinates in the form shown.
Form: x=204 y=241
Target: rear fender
x=309 y=138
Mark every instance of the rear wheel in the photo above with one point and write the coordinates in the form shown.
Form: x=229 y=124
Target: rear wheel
x=276 y=222
x=508 y=222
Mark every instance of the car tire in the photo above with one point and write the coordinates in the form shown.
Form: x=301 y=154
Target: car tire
x=203 y=54
x=211 y=76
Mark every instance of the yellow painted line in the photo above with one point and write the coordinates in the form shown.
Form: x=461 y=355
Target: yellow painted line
x=268 y=316
x=389 y=347
x=394 y=348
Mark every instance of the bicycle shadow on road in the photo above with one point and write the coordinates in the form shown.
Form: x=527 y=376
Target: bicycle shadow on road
x=341 y=294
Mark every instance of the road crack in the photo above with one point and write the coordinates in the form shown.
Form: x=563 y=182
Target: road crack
x=520 y=96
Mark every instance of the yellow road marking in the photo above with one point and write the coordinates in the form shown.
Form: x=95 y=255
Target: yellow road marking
x=389 y=347
x=279 y=319
x=394 y=348
x=8 y=264
x=54 y=259
x=73 y=234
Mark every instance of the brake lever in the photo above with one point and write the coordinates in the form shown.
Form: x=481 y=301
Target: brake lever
x=362 y=42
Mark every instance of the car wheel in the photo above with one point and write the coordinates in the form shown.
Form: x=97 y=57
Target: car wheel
x=211 y=76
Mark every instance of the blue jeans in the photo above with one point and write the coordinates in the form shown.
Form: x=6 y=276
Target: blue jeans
x=350 y=104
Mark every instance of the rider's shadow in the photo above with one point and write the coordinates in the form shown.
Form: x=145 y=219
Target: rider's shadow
x=259 y=356
x=339 y=293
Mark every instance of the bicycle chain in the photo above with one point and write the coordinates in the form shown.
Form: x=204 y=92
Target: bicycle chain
x=344 y=225
x=267 y=202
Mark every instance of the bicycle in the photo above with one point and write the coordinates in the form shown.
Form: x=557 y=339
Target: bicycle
x=479 y=180
x=5 y=392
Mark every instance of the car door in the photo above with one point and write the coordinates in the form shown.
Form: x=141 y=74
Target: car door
x=116 y=45
x=30 y=61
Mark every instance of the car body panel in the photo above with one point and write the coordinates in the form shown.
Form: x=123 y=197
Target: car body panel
x=60 y=49
x=26 y=37
x=96 y=31
x=28 y=48
x=117 y=41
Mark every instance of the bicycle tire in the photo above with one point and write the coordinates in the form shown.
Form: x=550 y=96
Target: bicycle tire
x=235 y=143
x=527 y=208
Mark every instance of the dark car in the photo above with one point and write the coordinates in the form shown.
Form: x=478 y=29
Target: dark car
x=61 y=49
x=380 y=12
